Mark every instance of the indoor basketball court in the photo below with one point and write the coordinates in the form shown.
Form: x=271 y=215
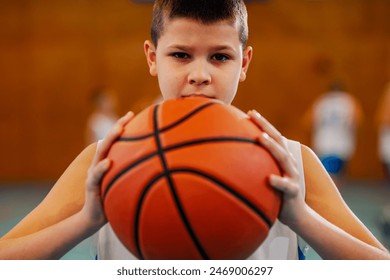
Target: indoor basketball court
x=53 y=53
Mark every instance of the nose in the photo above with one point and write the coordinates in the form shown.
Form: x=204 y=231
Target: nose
x=199 y=73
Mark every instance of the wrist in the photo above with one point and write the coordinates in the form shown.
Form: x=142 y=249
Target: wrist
x=89 y=223
x=303 y=220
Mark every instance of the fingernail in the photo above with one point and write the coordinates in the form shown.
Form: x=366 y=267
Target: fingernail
x=265 y=136
x=257 y=114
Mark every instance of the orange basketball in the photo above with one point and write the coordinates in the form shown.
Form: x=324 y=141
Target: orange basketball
x=189 y=181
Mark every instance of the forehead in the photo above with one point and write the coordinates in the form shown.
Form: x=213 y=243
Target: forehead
x=184 y=30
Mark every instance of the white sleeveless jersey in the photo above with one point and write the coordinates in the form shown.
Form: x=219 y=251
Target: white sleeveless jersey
x=280 y=244
x=334 y=125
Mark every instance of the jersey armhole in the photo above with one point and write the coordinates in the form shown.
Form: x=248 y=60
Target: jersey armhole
x=295 y=149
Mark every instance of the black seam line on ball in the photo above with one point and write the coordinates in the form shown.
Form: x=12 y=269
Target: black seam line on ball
x=173 y=147
x=153 y=181
x=138 y=212
x=227 y=188
x=173 y=189
x=125 y=170
x=189 y=115
x=211 y=140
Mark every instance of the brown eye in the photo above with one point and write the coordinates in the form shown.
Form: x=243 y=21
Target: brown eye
x=220 y=57
x=180 y=55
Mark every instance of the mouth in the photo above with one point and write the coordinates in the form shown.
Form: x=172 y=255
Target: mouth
x=197 y=95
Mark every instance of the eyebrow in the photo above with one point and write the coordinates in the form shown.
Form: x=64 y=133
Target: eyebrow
x=223 y=47
x=189 y=48
x=179 y=47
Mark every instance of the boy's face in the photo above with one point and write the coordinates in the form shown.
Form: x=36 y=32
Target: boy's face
x=197 y=59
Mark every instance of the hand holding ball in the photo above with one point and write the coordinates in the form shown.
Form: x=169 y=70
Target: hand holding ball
x=189 y=181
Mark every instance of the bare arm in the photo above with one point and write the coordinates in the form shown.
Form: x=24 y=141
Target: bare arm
x=332 y=242
x=321 y=190
x=44 y=232
x=70 y=212
x=325 y=221
x=49 y=243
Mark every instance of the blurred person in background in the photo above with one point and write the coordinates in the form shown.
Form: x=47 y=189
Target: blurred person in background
x=334 y=118
x=103 y=116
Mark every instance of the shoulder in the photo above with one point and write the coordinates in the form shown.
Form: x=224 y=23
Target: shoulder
x=312 y=166
x=86 y=154
x=307 y=152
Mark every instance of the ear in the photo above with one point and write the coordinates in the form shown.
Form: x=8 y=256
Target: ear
x=246 y=59
x=150 y=53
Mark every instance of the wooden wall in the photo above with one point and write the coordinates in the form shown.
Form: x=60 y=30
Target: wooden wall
x=52 y=53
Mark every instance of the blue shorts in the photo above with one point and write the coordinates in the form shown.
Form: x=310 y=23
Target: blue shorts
x=333 y=164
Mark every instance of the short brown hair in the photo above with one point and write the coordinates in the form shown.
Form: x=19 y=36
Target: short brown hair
x=205 y=11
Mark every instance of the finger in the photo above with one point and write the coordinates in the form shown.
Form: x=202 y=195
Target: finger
x=97 y=172
x=111 y=136
x=117 y=129
x=282 y=184
x=266 y=126
x=282 y=156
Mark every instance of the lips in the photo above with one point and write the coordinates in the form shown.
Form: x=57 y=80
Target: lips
x=198 y=95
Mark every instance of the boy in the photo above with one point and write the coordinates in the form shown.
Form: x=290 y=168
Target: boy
x=198 y=48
